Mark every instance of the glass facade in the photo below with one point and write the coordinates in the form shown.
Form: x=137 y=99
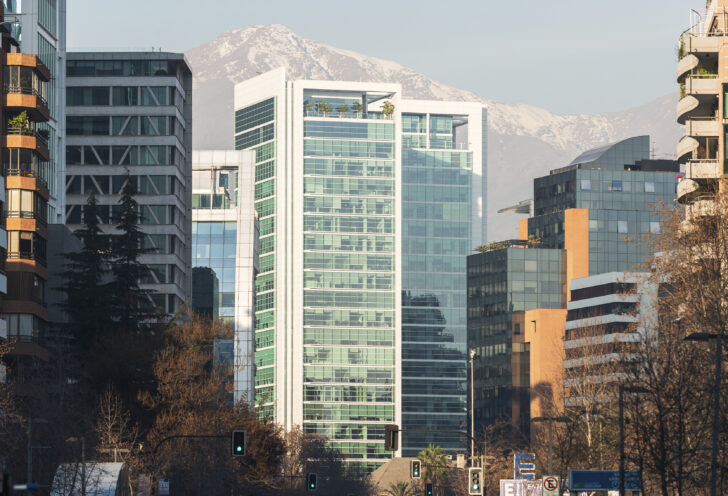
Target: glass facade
x=500 y=284
x=621 y=188
x=348 y=289
x=436 y=237
x=257 y=123
x=213 y=245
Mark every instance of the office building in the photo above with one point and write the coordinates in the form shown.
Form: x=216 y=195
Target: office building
x=703 y=78
x=224 y=251
x=367 y=204
x=594 y=212
x=39 y=26
x=506 y=286
x=131 y=113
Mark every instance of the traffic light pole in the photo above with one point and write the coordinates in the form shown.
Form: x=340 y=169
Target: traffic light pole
x=188 y=436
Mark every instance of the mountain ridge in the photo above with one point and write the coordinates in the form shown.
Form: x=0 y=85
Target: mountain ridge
x=519 y=135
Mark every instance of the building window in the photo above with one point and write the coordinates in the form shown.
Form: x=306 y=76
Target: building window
x=616 y=185
x=622 y=226
x=649 y=187
x=586 y=184
x=654 y=227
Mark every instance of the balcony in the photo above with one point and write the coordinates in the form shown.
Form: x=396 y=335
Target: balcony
x=686 y=65
x=28 y=139
x=347 y=115
x=685 y=148
x=19 y=98
x=701 y=207
x=686 y=190
x=27 y=255
x=703 y=126
x=703 y=169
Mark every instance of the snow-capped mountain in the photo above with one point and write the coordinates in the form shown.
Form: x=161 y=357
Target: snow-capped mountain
x=524 y=141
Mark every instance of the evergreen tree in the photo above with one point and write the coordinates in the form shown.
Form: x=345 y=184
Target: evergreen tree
x=132 y=306
x=87 y=294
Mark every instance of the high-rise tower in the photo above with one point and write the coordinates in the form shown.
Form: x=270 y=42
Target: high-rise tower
x=367 y=204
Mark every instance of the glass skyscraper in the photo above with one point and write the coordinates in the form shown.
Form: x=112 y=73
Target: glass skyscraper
x=365 y=202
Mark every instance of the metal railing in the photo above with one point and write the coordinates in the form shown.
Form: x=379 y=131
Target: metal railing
x=348 y=115
x=26 y=255
x=24 y=90
x=22 y=131
x=25 y=172
x=22 y=214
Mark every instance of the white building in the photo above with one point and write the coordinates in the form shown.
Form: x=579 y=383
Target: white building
x=224 y=238
x=367 y=203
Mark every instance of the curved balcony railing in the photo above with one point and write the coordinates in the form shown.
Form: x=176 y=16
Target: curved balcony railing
x=24 y=90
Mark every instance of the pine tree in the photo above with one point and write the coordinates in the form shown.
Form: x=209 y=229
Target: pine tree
x=88 y=298
x=132 y=306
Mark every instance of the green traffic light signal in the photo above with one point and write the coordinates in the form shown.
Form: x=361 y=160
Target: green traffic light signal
x=238 y=440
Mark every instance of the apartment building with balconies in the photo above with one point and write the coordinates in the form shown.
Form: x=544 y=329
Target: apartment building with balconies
x=26 y=158
x=703 y=107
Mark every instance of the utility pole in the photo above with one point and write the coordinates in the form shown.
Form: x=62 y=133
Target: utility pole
x=473 y=356
x=29 y=475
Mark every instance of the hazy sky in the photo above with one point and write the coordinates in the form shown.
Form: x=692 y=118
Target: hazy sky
x=567 y=56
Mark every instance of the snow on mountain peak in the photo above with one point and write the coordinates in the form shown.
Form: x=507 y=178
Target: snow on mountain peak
x=530 y=138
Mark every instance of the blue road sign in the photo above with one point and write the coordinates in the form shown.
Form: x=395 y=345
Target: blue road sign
x=523 y=466
x=603 y=480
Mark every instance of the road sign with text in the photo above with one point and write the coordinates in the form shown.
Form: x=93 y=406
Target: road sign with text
x=603 y=480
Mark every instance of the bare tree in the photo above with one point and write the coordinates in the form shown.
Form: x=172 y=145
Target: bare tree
x=193 y=397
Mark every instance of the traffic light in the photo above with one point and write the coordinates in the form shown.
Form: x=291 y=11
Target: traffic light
x=391 y=437
x=310 y=482
x=238 y=447
x=475 y=476
x=415 y=466
x=428 y=489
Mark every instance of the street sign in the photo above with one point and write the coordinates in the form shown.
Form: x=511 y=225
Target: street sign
x=523 y=468
x=550 y=485
x=520 y=487
x=603 y=480
x=163 y=487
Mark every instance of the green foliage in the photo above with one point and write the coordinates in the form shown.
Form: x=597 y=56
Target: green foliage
x=131 y=307
x=88 y=294
x=435 y=463
x=342 y=109
x=323 y=107
x=496 y=245
x=400 y=489
x=22 y=122
x=387 y=108
x=356 y=107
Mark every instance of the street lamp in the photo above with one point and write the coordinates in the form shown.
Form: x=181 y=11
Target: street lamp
x=473 y=356
x=704 y=336
x=82 y=440
x=622 y=389
x=551 y=421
